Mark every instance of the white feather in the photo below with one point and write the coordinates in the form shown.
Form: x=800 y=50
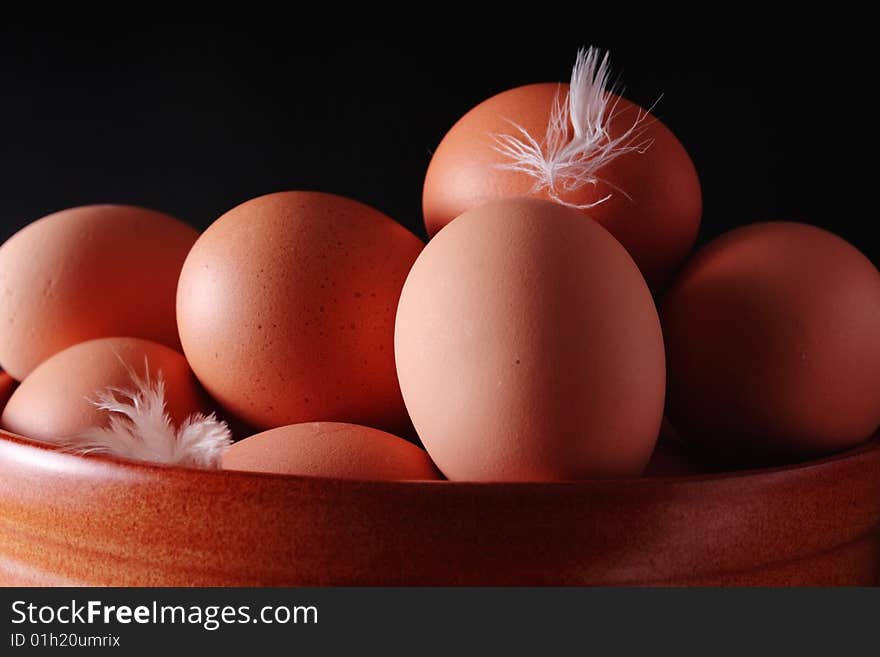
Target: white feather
x=139 y=428
x=578 y=142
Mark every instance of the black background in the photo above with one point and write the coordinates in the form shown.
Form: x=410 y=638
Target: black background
x=193 y=118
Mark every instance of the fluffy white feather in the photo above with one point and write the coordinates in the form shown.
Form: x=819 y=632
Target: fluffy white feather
x=139 y=428
x=578 y=142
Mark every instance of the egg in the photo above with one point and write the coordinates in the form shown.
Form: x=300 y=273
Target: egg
x=772 y=345
x=528 y=348
x=648 y=196
x=55 y=400
x=89 y=272
x=331 y=449
x=286 y=310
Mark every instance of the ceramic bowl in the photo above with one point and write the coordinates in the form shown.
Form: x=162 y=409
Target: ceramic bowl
x=74 y=520
x=69 y=520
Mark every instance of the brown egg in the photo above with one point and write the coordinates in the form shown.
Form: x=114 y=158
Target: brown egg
x=286 y=310
x=773 y=345
x=528 y=348
x=331 y=449
x=54 y=401
x=89 y=272
x=654 y=200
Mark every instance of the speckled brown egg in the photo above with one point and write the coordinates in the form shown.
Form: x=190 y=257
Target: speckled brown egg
x=286 y=310
x=529 y=349
x=89 y=272
x=773 y=345
x=55 y=400
x=331 y=449
x=654 y=201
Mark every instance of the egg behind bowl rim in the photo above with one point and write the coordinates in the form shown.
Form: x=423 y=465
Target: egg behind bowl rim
x=55 y=400
x=331 y=450
x=790 y=314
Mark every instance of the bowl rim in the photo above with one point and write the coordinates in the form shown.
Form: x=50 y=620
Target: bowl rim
x=148 y=469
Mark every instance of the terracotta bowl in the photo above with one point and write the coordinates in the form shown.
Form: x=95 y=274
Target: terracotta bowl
x=71 y=520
